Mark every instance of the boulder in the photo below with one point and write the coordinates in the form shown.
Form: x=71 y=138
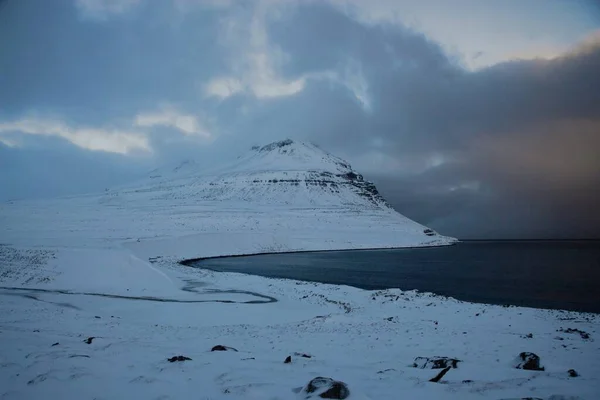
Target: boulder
x=435 y=362
x=524 y=398
x=288 y=360
x=326 y=388
x=572 y=373
x=222 y=348
x=528 y=361
x=553 y=397
x=179 y=359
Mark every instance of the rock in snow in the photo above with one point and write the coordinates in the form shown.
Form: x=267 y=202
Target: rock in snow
x=435 y=362
x=179 y=359
x=529 y=361
x=326 y=388
x=572 y=373
x=222 y=348
x=440 y=375
x=303 y=355
x=553 y=397
x=584 y=335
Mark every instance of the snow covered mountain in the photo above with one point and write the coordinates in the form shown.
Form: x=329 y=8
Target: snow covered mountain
x=281 y=173
x=285 y=196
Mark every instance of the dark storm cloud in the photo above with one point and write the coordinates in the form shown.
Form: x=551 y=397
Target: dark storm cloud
x=417 y=90
x=320 y=36
x=53 y=60
x=520 y=139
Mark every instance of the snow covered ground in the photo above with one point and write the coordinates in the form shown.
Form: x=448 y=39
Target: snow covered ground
x=139 y=316
x=105 y=267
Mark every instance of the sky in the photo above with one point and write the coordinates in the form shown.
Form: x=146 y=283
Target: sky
x=478 y=118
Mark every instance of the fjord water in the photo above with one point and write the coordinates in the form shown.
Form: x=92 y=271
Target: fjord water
x=543 y=274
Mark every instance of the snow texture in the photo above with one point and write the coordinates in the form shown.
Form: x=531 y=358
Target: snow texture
x=105 y=267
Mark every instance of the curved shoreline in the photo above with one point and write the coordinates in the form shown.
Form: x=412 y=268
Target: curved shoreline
x=452 y=265
x=186 y=262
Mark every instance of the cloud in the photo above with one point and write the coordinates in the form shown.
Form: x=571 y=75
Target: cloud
x=102 y=72
x=516 y=141
x=9 y=142
x=97 y=139
x=169 y=117
x=134 y=137
x=101 y=9
x=504 y=149
x=224 y=87
x=186 y=6
x=253 y=62
x=480 y=35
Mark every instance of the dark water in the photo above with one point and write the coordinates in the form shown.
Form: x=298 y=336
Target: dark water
x=543 y=274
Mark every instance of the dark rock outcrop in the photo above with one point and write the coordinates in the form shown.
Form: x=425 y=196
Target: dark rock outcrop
x=525 y=398
x=274 y=145
x=528 y=361
x=584 y=335
x=179 y=359
x=288 y=360
x=222 y=348
x=439 y=376
x=435 y=362
x=303 y=355
x=326 y=388
x=89 y=340
x=572 y=373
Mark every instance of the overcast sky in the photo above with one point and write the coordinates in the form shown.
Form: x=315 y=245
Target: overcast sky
x=478 y=118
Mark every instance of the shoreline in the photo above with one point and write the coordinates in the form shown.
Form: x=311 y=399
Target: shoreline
x=307 y=269
x=188 y=261
x=439 y=295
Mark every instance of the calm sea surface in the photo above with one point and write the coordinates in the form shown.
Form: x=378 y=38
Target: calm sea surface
x=544 y=274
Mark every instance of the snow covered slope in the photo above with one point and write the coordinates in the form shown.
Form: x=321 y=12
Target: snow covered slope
x=286 y=196
x=296 y=174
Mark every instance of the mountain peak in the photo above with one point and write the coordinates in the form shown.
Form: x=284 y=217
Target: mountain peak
x=291 y=155
x=275 y=145
x=285 y=146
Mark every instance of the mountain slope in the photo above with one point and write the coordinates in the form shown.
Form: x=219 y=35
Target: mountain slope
x=285 y=196
x=286 y=172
